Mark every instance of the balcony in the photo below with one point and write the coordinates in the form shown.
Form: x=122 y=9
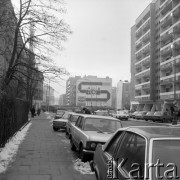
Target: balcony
x=146 y=86
x=139 y=33
x=146 y=26
x=166 y=22
x=166 y=52
x=166 y=81
x=138 y=46
x=142 y=97
x=166 y=7
x=166 y=66
x=138 y=56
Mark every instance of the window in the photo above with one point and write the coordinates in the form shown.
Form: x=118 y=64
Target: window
x=132 y=150
x=78 y=121
x=81 y=123
x=113 y=143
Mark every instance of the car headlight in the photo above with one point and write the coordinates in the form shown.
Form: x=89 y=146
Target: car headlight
x=91 y=145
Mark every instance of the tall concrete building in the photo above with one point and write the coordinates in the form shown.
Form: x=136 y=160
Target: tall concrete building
x=114 y=98
x=123 y=95
x=62 y=100
x=155 y=56
x=71 y=91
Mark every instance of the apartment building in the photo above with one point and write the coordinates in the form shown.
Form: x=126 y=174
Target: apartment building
x=71 y=91
x=155 y=56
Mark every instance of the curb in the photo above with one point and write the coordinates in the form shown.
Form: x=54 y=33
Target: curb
x=151 y=122
x=29 y=120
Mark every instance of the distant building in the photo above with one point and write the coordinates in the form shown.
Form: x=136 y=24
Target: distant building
x=93 y=91
x=62 y=100
x=71 y=91
x=114 y=99
x=123 y=95
x=48 y=95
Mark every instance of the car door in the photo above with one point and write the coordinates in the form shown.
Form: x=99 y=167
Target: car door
x=130 y=157
x=104 y=157
x=75 y=131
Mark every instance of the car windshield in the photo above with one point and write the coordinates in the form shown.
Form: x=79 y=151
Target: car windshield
x=74 y=118
x=167 y=151
x=65 y=115
x=101 y=125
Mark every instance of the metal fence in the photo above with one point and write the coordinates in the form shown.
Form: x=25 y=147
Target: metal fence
x=13 y=115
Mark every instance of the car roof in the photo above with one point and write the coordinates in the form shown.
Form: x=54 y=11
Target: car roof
x=98 y=116
x=155 y=131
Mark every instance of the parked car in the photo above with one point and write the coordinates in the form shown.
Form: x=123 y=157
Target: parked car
x=162 y=117
x=148 y=116
x=122 y=115
x=131 y=152
x=90 y=130
x=60 y=122
x=140 y=115
x=60 y=112
x=101 y=113
x=71 y=120
x=134 y=113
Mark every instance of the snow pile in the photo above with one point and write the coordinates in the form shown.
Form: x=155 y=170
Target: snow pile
x=83 y=168
x=7 y=153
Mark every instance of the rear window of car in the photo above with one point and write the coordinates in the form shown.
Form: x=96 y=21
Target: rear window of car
x=167 y=153
x=100 y=124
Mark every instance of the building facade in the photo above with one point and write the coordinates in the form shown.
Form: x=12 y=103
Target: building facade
x=71 y=91
x=48 y=95
x=123 y=95
x=114 y=99
x=92 y=91
x=155 y=56
x=62 y=100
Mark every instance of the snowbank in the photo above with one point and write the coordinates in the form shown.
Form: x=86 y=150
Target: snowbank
x=83 y=168
x=7 y=153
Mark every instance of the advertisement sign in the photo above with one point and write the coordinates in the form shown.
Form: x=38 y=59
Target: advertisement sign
x=93 y=93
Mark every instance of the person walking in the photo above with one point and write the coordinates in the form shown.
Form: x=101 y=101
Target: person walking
x=32 y=111
x=38 y=111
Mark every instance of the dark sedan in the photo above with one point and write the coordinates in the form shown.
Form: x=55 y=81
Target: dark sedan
x=134 y=152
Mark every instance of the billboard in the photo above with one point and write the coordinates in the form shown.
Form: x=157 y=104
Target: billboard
x=93 y=93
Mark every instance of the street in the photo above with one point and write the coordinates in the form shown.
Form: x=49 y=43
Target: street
x=46 y=155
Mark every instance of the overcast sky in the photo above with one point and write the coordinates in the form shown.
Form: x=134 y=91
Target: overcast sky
x=100 y=43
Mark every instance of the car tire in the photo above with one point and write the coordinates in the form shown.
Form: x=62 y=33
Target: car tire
x=73 y=147
x=55 y=129
x=82 y=156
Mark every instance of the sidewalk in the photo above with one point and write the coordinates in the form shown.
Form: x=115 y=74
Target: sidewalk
x=44 y=155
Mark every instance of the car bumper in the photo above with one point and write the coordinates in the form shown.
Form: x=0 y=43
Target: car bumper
x=90 y=152
x=59 y=126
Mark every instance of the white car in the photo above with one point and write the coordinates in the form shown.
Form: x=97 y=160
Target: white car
x=60 y=122
x=90 y=130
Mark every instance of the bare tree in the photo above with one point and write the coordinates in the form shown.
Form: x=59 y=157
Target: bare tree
x=29 y=34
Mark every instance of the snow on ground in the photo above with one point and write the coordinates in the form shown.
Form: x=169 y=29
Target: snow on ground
x=7 y=153
x=83 y=168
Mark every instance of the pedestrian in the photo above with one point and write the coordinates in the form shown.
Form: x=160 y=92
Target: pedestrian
x=178 y=114
x=172 y=110
x=38 y=111
x=86 y=111
x=33 y=111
